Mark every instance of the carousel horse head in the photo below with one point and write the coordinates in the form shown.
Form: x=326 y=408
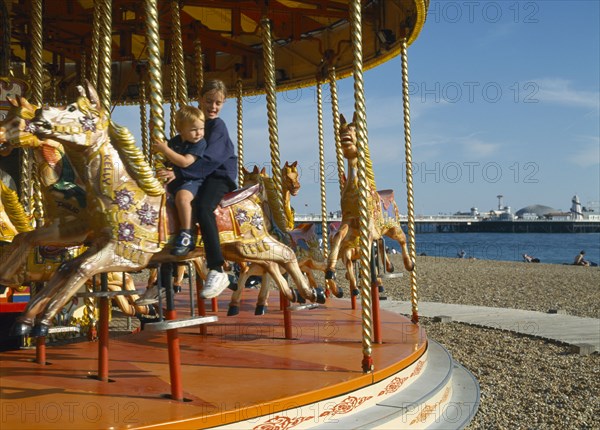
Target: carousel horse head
x=17 y=128
x=75 y=123
x=348 y=137
x=289 y=174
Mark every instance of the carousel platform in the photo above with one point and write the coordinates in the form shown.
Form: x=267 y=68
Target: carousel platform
x=242 y=373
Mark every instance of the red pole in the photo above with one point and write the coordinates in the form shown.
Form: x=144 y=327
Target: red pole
x=215 y=304
x=103 y=304
x=287 y=316
x=174 y=359
x=375 y=311
x=40 y=350
x=201 y=304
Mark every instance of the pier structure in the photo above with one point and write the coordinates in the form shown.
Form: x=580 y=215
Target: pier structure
x=471 y=224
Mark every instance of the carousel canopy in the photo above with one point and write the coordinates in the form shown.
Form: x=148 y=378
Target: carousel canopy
x=308 y=36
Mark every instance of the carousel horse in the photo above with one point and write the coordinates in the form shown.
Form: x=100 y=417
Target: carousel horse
x=280 y=221
x=35 y=254
x=128 y=219
x=13 y=219
x=345 y=241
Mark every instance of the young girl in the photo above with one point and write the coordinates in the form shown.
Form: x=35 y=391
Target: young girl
x=218 y=166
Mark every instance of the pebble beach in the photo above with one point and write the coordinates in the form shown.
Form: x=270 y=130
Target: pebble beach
x=526 y=383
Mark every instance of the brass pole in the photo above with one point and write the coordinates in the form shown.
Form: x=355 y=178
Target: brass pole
x=177 y=54
x=240 y=132
x=105 y=54
x=142 y=72
x=173 y=98
x=410 y=206
x=339 y=155
x=363 y=185
x=199 y=66
x=157 y=122
x=5 y=67
x=95 y=49
x=271 y=96
x=324 y=228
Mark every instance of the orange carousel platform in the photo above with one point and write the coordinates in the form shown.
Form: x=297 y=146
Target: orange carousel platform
x=243 y=373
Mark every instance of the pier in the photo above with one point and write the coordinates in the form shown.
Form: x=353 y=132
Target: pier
x=468 y=224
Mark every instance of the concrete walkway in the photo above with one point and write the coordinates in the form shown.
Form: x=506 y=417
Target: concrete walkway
x=582 y=333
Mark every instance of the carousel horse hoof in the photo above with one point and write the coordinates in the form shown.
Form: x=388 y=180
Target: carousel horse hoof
x=40 y=330
x=380 y=288
x=391 y=269
x=20 y=329
x=340 y=293
x=320 y=295
x=233 y=310
x=355 y=292
x=260 y=310
x=329 y=274
x=177 y=288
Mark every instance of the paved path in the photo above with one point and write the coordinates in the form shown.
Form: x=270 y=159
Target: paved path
x=559 y=327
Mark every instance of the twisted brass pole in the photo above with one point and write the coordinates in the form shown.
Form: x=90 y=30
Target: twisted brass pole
x=157 y=123
x=363 y=185
x=410 y=206
x=173 y=99
x=339 y=155
x=240 y=132
x=324 y=228
x=95 y=49
x=199 y=66
x=271 y=96
x=105 y=54
x=177 y=53
x=144 y=117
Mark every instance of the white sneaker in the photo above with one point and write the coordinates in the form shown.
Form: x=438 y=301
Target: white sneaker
x=215 y=283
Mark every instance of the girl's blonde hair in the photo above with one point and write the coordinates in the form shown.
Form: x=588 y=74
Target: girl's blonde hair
x=186 y=115
x=214 y=84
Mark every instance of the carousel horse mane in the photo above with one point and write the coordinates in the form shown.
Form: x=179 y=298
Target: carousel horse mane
x=124 y=142
x=14 y=209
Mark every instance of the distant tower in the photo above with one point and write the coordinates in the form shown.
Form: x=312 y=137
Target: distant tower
x=499 y=197
x=576 y=212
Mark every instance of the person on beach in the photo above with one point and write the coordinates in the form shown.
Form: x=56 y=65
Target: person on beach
x=461 y=254
x=580 y=260
x=529 y=259
x=184 y=152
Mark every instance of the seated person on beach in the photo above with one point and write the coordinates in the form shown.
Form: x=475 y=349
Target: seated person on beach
x=461 y=254
x=529 y=259
x=184 y=152
x=580 y=260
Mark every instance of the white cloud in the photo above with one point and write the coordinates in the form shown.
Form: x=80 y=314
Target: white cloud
x=560 y=91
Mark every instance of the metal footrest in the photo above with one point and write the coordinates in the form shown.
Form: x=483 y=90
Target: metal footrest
x=304 y=306
x=65 y=329
x=390 y=275
x=107 y=293
x=180 y=323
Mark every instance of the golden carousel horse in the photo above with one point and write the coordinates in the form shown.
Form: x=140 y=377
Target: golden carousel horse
x=280 y=221
x=127 y=217
x=42 y=258
x=345 y=241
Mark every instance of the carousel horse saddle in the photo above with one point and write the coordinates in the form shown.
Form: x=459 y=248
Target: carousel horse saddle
x=238 y=195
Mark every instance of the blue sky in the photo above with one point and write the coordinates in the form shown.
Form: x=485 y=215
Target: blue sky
x=505 y=99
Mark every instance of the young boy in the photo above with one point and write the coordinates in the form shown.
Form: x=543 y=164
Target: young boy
x=184 y=151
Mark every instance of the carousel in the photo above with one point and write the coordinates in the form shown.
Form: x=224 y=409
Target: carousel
x=84 y=217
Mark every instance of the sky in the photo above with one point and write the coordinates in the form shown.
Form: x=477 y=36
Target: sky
x=505 y=100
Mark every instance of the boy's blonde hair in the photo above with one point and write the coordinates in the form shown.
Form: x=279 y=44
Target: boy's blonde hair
x=186 y=115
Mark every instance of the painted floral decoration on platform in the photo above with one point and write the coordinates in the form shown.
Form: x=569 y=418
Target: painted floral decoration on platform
x=123 y=199
x=148 y=215
x=126 y=231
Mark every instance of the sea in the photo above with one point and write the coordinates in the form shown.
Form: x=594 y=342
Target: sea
x=553 y=248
